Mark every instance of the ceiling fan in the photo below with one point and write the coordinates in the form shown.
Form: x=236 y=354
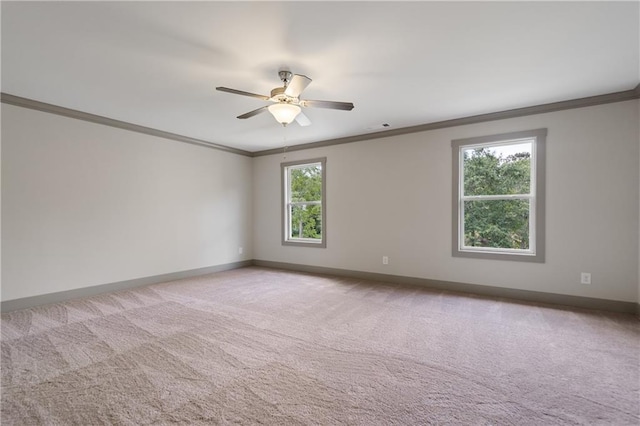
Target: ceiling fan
x=286 y=102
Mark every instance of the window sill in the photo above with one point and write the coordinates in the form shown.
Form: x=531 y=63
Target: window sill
x=499 y=255
x=305 y=243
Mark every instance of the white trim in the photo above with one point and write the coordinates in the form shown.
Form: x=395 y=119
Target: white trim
x=304 y=203
x=497 y=197
x=502 y=197
x=521 y=252
x=304 y=240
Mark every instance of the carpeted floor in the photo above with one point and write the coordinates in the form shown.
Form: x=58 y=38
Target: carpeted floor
x=263 y=346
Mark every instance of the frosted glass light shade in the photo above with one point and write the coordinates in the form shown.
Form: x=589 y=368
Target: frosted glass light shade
x=284 y=113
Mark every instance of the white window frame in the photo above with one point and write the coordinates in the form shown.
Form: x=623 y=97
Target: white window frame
x=536 y=197
x=287 y=204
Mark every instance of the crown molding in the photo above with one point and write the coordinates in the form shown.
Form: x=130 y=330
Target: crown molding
x=92 y=118
x=501 y=115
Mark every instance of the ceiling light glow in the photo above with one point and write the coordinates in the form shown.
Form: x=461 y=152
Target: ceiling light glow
x=284 y=113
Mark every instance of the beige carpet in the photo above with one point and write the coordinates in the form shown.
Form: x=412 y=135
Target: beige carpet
x=261 y=346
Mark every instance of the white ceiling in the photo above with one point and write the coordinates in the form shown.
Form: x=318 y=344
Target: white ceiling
x=157 y=64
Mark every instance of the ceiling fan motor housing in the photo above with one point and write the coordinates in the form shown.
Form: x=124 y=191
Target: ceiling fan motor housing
x=278 y=95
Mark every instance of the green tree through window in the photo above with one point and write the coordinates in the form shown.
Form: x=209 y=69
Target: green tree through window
x=306 y=218
x=304 y=214
x=496 y=223
x=498 y=203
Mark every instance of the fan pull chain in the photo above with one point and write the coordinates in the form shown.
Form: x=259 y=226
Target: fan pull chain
x=284 y=139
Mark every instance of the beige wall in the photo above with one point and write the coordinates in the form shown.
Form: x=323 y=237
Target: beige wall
x=85 y=204
x=392 y=197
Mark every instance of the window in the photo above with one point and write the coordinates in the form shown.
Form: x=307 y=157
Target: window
x=498 y=196
x=304 y=215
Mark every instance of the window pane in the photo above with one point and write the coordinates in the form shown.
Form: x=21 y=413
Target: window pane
x=497 y=170
x=497 y=224
x=306 y=183
x=306 y=222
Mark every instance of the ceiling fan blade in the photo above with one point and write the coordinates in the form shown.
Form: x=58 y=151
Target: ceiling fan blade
x=240 y=92
x=297 y=84
x=345 y=106
x=252 y=113
x=302 y=120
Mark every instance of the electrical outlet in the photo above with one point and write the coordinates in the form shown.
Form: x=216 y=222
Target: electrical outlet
x=240 y=250
x=585 y=278
x=385 y=260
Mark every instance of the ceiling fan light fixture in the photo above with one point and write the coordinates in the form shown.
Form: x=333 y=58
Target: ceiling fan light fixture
x=286 y=100
x=284 y=113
